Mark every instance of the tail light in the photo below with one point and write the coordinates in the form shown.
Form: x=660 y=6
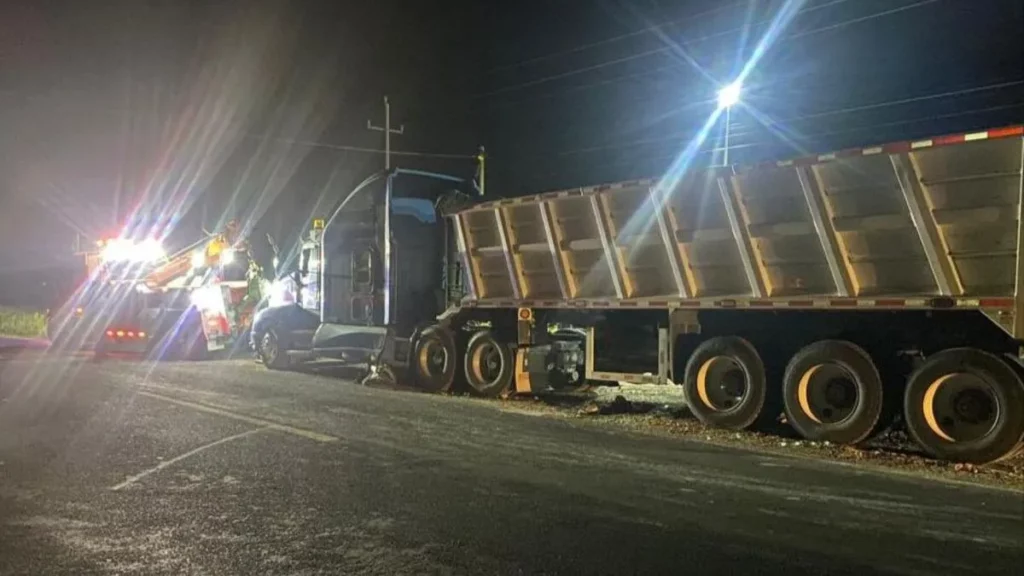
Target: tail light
x=123 y=333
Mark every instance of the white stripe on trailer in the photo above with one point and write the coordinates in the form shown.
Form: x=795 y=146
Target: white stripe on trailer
x=871 y=151
x=921 y=144
x=976 y=136
x=729 y=303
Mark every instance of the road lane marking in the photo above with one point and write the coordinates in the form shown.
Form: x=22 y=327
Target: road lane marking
x=133 y=479
x=311 y=435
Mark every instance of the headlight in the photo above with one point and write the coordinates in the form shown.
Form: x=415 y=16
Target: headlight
x=281 y=293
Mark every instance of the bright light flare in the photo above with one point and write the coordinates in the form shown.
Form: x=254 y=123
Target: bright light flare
x=124 y=250
x=729 y=96
x=208 y=298
x=198 y=259
x=227 y=257
x=282 y=293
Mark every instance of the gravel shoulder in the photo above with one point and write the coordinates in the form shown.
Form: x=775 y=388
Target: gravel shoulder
x=659 y=410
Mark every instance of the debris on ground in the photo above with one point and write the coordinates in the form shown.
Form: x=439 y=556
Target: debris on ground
x=618 y=405
x=660 y=410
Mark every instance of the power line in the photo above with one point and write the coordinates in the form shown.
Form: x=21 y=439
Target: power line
x=612 y=39
x=910 y=100
x=816 y=115
x=760 y=144
x=669 y=49
x=346 y=148
x=644 y=54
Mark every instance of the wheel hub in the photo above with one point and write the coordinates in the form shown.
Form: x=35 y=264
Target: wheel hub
x=960 y=407
x=734 y=386
x=827 y=393
x=434 y=359
x=269 y=347
x=840 y=393
x=487 y=363
x=722 y=383
x=973 y=406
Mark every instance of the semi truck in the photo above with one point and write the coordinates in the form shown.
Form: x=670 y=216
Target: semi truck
x=834 y=292
x=138 y=300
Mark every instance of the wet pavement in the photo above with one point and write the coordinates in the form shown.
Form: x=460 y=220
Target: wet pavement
x=223 y=467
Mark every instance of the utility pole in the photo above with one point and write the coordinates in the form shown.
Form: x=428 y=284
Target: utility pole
x=387 y=132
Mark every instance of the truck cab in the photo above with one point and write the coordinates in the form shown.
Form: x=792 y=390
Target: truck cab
x=364 y=283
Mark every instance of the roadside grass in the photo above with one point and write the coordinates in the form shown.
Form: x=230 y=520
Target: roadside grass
x=22 y=322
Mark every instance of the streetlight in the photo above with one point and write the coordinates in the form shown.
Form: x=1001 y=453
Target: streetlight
x=728 y=97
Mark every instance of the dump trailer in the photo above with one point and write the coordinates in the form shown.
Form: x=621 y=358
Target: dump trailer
x=835 y=292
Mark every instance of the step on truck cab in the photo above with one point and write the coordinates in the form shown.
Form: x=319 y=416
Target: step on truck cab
x=834 y=293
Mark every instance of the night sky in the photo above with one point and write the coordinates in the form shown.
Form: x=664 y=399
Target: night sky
x=160 y=108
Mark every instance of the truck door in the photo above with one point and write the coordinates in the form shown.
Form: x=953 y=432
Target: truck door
x=352 y=281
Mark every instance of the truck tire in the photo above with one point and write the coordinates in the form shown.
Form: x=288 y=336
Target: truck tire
x=273 y=352
x=832 y=391
x=724 y=384
x=965 y=405
x=489 y=365
x=435 y=360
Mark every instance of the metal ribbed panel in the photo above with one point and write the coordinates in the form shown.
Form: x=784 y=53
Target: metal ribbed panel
x=925 y=219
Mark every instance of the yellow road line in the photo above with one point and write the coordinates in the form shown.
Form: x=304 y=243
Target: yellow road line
x=243 y=418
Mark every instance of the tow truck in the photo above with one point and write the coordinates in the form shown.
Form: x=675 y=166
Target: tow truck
x=138 y=300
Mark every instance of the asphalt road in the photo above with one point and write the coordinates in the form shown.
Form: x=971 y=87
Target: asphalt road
x=225 y=468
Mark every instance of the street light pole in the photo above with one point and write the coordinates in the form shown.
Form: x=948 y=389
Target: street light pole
x=728 y=117
x=728 y=97
x=386 y=129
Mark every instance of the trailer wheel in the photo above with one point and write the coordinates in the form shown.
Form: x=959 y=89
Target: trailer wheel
x=272 y=353
x=965 y=405
x=725 y=384
x=489 y=365
x=435 y=360
x=833 y=391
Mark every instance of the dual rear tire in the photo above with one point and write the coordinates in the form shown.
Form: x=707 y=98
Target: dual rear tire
x=487 y=363
x=833 y=392
x=962 y=404
x=966 y=405
x=725 y=384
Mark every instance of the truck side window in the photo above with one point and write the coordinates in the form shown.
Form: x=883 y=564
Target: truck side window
x=362 y=269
